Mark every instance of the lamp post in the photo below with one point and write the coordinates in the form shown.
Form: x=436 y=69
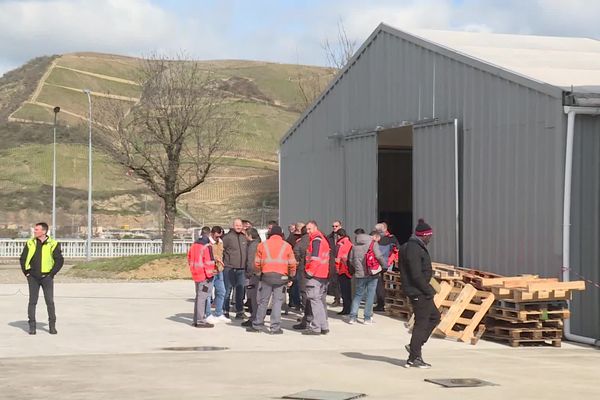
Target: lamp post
x=56 y=111
x=89 y=231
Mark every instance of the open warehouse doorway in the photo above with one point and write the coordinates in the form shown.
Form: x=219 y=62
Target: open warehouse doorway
x=418 y=177
x=394 y=192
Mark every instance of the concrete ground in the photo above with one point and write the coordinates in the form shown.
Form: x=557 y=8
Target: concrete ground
x=112 y=337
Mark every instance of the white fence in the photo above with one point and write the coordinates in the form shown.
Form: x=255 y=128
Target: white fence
x=101 y=248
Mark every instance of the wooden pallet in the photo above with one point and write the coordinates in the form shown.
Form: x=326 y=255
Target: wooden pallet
x=398 y=312
x=392 y=286
x=531 y=288
x=475 y=277
x=551 y=305
x=533 y=315
x=525 y=333
x=446 y=272
x=391 y=277
x=462 y=311
x=399 y=301
x=522 y=342
x=503 y=321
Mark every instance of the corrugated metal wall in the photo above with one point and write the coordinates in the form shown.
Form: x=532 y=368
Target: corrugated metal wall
x=585 y=225
x=512 y=148
x=361 y=182
x=434 y=188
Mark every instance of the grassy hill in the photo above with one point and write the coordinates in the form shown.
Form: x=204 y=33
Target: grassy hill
x=268 y=100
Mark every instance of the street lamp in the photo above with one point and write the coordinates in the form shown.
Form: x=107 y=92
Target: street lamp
x=89 y=232
x=56 y=111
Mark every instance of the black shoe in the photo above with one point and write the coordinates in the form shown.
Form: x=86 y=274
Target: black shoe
x=246 y=324
x=226 y=314
x=336 y=303
x=203 y=325
x=32 y=329
x=379 y=308
x=417 y=363
x=240 y=315
x=300 y=327
x=324 y=331
x=344 y=313
x=52 y=329
x=277 y=332
x=252 y=329
x=311 y=333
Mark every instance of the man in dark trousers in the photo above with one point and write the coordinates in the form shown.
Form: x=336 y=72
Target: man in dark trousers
x=334 y=284
x=41 y=260
x=234 y=258
x=416 y=272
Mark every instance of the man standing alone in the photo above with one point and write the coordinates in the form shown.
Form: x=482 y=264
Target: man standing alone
x=416 y=272
x=41 y=260
x=234 y=257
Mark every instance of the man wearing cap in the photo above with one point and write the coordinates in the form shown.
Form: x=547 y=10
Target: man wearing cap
x=416 y=272
x=276 y=264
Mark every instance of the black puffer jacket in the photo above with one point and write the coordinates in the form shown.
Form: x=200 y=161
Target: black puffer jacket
x=415 y=268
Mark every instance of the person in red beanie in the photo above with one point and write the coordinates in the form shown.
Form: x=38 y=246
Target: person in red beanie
x=416 y=272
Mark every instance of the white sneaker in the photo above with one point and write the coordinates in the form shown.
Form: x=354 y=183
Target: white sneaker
x=352 y=321
x=211 y=319
x=223 y=318
x=369 y=321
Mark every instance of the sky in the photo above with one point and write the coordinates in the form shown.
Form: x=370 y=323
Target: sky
x=286 y=31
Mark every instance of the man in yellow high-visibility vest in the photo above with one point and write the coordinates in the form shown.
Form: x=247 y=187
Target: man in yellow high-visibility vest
x=41 y=260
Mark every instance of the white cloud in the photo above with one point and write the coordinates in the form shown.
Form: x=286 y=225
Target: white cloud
x=207 y=30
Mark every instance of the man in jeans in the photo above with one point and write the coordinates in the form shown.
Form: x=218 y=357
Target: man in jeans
x=41 y=260
x=234 y=258
x=366 y=282
x=218 y=282
x=416 y=272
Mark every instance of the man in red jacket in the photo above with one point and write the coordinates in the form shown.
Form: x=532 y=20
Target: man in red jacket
x=202 y=266
x=317 y=273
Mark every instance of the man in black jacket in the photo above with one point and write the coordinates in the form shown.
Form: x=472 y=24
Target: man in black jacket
x=235 y=246
x=41 y=260
x=416 y=272
x=334 y=284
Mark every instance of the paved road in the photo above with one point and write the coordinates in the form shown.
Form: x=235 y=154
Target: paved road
x=111 y=339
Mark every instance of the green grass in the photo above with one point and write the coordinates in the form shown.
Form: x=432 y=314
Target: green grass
x=111 y=267
x=65 y=77
x=37 y=113
x=119 y=67
x=31 y=165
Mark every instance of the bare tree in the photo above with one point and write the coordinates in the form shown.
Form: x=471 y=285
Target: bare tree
x=173 y=138
x=338 y=53
x=341 y=51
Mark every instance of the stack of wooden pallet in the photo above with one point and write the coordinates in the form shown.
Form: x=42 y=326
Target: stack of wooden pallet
x=397 y=303
x=528 y=309
x=463 y=307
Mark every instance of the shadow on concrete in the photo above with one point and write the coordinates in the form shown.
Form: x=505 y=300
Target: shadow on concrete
x=182 y=318
x=389 y=360
x=24 y=325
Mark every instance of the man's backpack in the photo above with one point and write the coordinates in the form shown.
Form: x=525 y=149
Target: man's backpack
x=372 y=266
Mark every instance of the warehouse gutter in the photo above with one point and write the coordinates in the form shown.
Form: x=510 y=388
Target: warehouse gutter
x=571 y=113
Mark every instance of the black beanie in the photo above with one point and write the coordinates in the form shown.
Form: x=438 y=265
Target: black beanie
x=423 y=228
x=276 y=230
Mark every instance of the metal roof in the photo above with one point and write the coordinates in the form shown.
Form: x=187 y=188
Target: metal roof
x=563 y=62
x=547 y=64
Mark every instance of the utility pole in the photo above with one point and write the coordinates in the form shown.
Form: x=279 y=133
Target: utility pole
x=56 y=111
x=89 y=233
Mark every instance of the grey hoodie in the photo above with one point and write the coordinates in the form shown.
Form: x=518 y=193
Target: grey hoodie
x=357 y=255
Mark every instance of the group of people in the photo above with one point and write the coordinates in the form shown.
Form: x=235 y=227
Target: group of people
x=306 y=264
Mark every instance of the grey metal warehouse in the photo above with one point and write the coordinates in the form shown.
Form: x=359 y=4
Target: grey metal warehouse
x=493 y=139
